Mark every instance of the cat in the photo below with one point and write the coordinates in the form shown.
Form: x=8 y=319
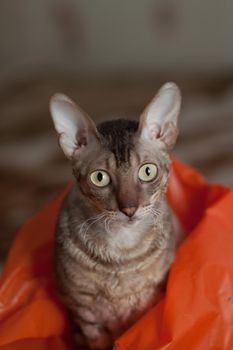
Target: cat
x=116 y=235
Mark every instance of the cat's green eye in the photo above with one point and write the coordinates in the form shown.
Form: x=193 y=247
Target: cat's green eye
x=148 y=172
x=100 y=178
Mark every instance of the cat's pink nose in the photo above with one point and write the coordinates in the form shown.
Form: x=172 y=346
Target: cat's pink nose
x=129 y=211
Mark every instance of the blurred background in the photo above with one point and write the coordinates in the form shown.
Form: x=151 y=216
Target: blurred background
x=111 y=57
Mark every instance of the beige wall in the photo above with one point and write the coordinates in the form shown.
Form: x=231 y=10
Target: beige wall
x=112 y=36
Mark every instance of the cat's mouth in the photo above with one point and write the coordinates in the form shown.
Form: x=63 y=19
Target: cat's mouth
x=131 y=220
x=122 y=219
x=140 y=215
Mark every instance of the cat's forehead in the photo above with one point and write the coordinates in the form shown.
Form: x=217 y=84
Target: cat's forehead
x=123 y=146
x=111 y=160
x=119 y=150
x=118 y=137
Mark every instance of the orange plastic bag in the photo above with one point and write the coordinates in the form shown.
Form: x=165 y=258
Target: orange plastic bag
x=195 y=313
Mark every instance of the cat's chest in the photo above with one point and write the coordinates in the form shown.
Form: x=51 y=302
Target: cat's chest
x=131 y=281
x=122 y=300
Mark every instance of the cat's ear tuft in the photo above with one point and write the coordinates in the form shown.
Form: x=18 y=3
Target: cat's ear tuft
x=75 y=128
x=159 y=121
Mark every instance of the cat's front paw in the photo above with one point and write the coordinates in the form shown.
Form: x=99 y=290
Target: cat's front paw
x=103 y=342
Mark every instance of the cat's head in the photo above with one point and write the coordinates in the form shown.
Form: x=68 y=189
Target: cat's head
x=121 y=166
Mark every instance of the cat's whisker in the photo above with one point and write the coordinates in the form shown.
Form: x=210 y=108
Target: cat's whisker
x=85 y=226
x=107 y=224
x=99 y=218
x=105 y=216
x=155 y=213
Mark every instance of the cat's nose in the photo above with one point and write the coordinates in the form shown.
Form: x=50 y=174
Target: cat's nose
x=129 y=211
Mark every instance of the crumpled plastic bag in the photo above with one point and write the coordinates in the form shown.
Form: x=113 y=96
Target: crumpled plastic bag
x=196 y=312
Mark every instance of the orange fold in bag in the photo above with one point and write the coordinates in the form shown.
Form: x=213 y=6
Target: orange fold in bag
x=196 y=311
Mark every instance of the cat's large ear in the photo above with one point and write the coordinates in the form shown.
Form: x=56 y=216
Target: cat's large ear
x=75 y=128
x=159 y=119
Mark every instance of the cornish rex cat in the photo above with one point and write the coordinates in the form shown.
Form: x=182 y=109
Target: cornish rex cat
x=116 y=235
